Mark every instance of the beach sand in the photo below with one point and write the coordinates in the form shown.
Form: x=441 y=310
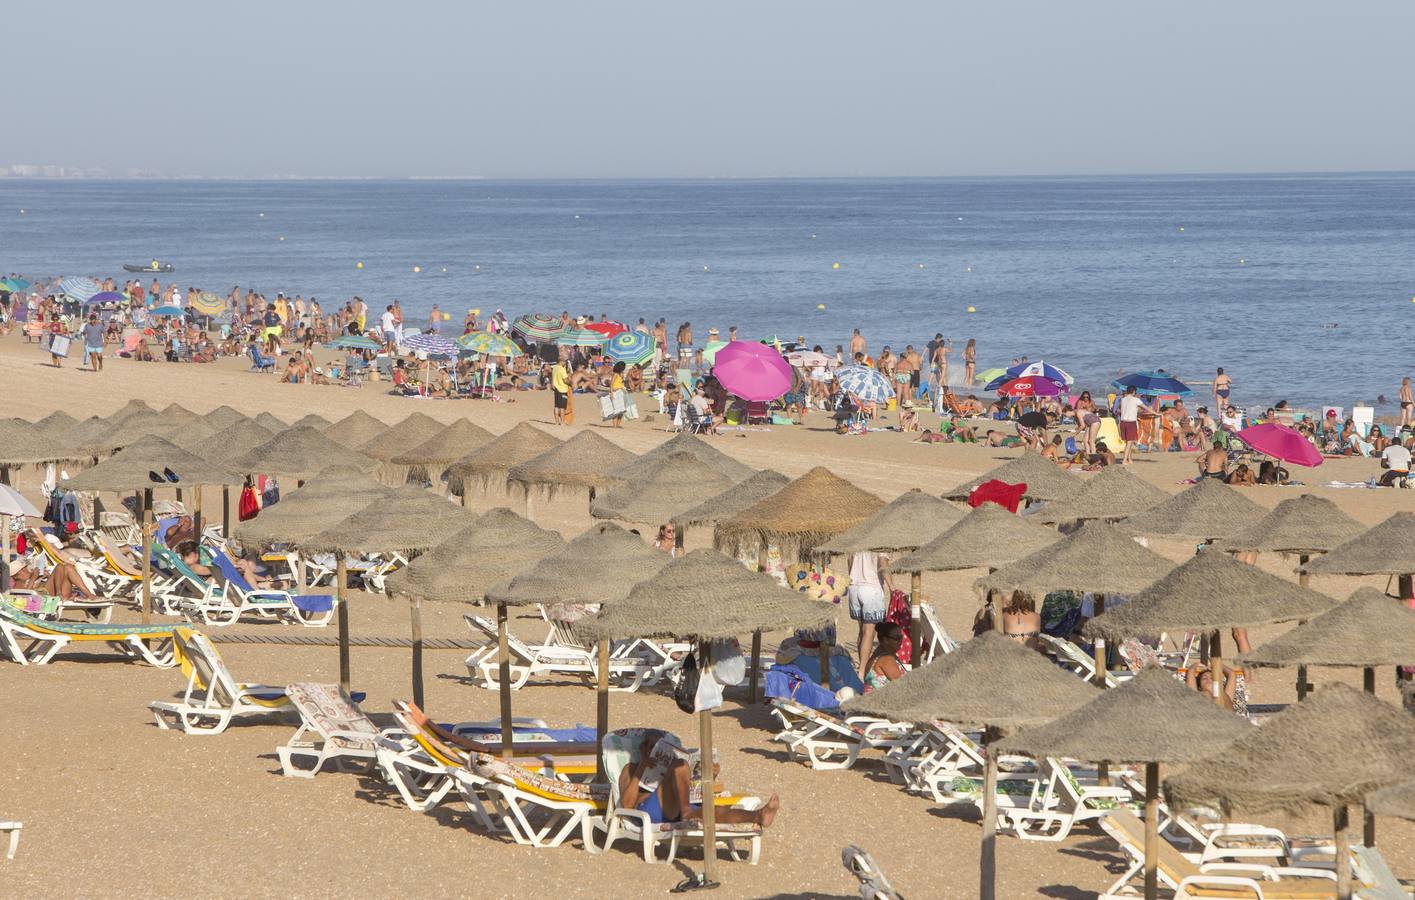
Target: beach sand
x=111 y=804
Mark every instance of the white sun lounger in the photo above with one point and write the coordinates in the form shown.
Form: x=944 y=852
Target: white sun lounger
x=29 y=640
x=528 y=660
x=13 y=828
x=332 y=729
x=213 y=698
x=826 y=741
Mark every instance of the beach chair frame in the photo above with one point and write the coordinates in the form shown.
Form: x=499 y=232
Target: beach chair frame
x=332 y=729
x=527 y=660
x=213 y=698
x=31 y=642
x=827 y=742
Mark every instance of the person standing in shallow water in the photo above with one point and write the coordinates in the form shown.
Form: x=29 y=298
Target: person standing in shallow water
x=1407 y=401
x=1223 y=386
x=970 y=362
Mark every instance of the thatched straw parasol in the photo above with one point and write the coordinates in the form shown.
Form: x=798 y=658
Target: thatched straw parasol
x=1208 y=510
x=56 y=424
x=224 y=417
x=672 y=484
x=988 y=537
x=133 y=407
x=176 y=412
x=461 y=568
x=807 y=512
x=425 y=462
x=1045 y=480
x=271 y=422
x=1385 y=549
x=402 y=437
x=491 y=461
x=1307 y=524
x=187 y=434
x=586 y=460
x=299 y=453
x=1331 y=750
x=355 y=429
x=991 y=682
x=704 y=596
x=127 y=470
x=1369 y=629
x=733 y=500
x=25 y=443
x=684 y=442
x=326 y=499
x=232 y=441
x=1097 y=557
x=1152 y=719
x=907 y=522
x=312 y=420
x=1394 y=801
x=117 y=431
x=1112 y=493
x=86 y=433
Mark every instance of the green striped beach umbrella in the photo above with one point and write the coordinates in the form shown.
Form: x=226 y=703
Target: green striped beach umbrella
x=538 y=327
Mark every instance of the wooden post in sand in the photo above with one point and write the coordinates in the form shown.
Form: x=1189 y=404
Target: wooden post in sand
x=1341 y=827
x=1216 y=666
x=415 y=610
x=1099 y=645
x=225 y=510
x=196 y=512
x=916 y=631
x=987 y=861
x=705 y=773
x=146 y=565
x=1302 y=579
x=755 y=675
x=341 y=576
x=1152 y=836
x=503 y=675
x=601 y=717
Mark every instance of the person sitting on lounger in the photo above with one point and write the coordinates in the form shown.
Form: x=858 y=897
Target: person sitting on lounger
x=62 y=581
x=658 y=783
x=883 y=666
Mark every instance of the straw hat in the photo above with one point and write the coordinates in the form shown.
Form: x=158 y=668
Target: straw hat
x=129 y=468
x=407 y=519
x=1152 y=718
x=491 y=461
x=299 y=453
x=1045 y=480
x=1332 y=749
x=1096 y=557
x=683 y=442
x=1385 y=549
x=1208 y=510
x=355 y=429
x=233 y=440
x=987 y=681
x=599 y=566
x=586 y=460
x=1112 y=493
x=733 y=500
x=447 y=446
x=670 y=485
x=988 y=537
x=402 y=437
x=803 y=514
x=1209 y=592
x=487 y=552
x=326 y=499
x=906 y=523
x=1368 y=629
x=706 y=595
x=1305 y=524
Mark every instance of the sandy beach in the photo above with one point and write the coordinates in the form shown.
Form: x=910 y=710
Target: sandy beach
x=111 y=804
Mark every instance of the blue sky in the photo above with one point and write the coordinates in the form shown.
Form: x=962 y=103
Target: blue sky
x=765 y=88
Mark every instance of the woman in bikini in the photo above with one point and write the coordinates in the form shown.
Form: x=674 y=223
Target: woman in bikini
x=1407 y=402
x=1223 y=386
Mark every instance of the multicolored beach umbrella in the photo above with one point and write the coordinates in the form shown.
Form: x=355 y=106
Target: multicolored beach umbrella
x=431 y=344
x=1040 y=368
x=207 y=303
x=710 y=350
x=865 y=383
x=353 y=342
x=80 y=288
x=537 y=327
x=489 y=344
x=14 y=284
x=632 y=347
x=579 y=337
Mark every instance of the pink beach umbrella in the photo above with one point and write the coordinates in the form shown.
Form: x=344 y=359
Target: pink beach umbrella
x=752 y=371
x=1280 y=442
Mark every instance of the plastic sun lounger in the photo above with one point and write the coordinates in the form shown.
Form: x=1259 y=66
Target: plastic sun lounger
x=45 y=639
x=933 y=638
x=213 y=698
x=13 y=828
x=89 y=573
x=1060 y=799
x=1072 y=658
x=941 y=758
x=313 y=610
x=189 y=590
x=829 y=742
x=338 y=730
x=527 y=660
x=532 y=809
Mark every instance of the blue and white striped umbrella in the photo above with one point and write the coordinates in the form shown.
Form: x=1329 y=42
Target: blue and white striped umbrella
x=80 y=288
x=865 y=383
x=632 y=347
x=431 y=344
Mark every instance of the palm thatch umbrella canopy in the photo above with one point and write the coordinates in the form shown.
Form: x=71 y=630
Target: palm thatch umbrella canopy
x=586 y=460
x=326 y=499
x=670 y=485
x=188 y=434
x=990 y=682
x=907 y=522
x=127 y=470
x=299 y=453
x=1384 y=549
x=56 y=424
x=25 y=443
x=727 y=504
x=1368 y=629
x=1208 y=510
x=224 y=416
x=463 y=567
x=132 y=408
x=426 y=461
x=491 y=461
x=1394 y=801
x=1211 y=591
x=312 y=420
x=402 y=437
x=1112 y=493
x=1306 y=524
x=232 y=441
x=684 y=442
x=355 y=429
x=807 y=512
x=599 y=566
x=406 y=519
x=1045 y=480
x=118 y=431
x=271 y=422
x=1096 y=557
x=988 y=537
x=176 y=412
x=83 y=436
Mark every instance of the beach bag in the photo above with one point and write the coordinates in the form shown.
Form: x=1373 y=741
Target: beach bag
x=249 y=506
x=59 y=345
x=901 y=614
x=685 y=692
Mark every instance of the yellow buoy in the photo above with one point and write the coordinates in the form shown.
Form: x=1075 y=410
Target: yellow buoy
x=971 y=309
x=835 y=265
x=359 y=265
x=477 y=311
x=417 y=268
x=822 y=305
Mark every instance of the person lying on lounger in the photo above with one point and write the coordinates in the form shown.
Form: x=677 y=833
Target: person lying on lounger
x=62 y=581
x=658 y=781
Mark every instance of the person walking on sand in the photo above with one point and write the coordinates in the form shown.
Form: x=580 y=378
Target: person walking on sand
x=1223 y=386
x=93 y=343
x=1407 y=401
x=1129 y=416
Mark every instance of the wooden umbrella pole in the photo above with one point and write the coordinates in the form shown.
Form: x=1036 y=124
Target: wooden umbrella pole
x=755 y=675
x=1216 y=666
x=987 y=863
x=196 y=511
x=995 y=601
x=705 y=775
x=415 y=610
x=503 y=675
x=1341 y=826
x=1098 y=647
x=146 y=565
x=226 y=510
x=5 y=558
x=601 y=717
x=1152 y=836
x=1303 y=580
x=916 y=596
x=530 y=516
x=341 y=576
